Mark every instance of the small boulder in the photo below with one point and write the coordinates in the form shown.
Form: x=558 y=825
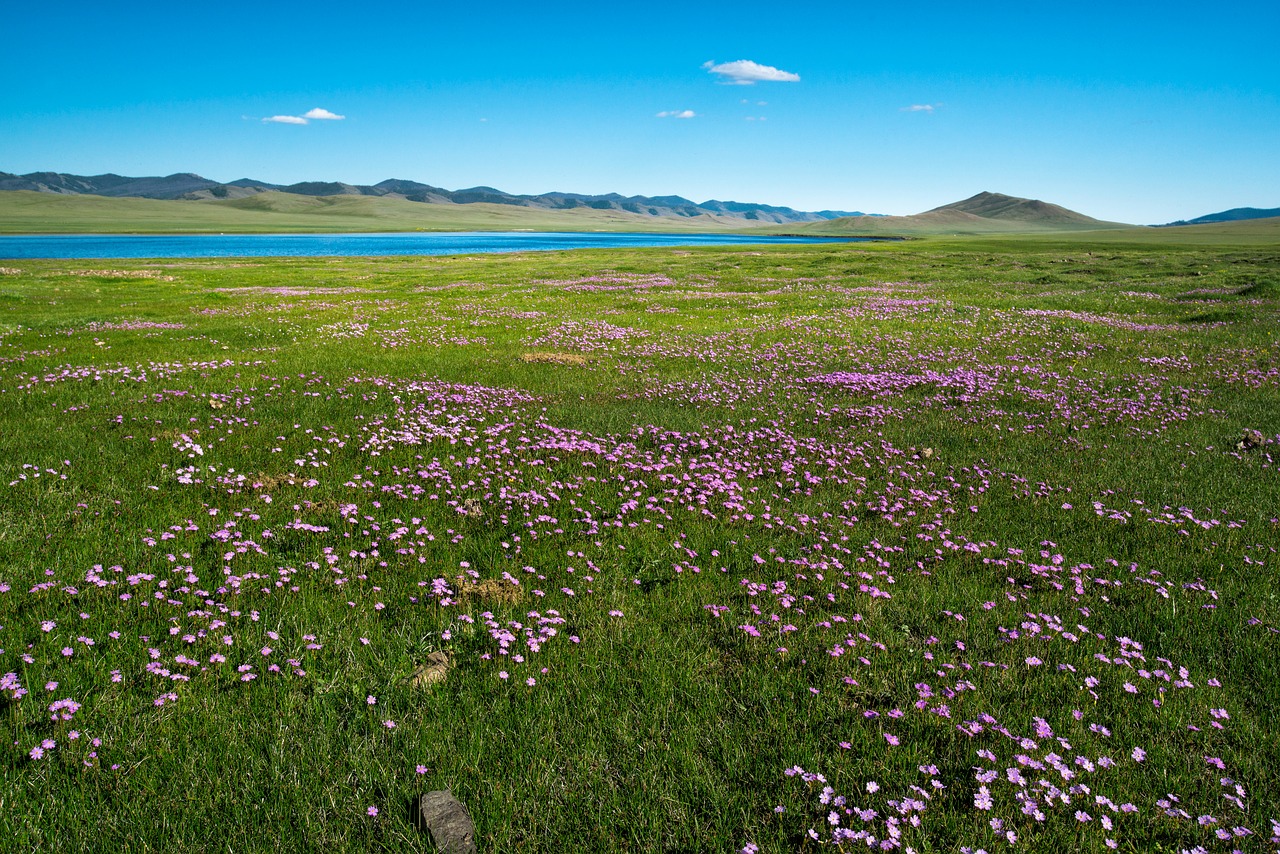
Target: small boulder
x=1250 y=439
x=446 y=819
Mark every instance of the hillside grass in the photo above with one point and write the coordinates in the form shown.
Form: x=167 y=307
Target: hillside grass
x=949 y=226
x=731 y=549
x=25 y=212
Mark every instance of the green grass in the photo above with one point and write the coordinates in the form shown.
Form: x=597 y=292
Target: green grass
x=1256 y=232
x=938 y=224
x=25 y=212
x=641 y=428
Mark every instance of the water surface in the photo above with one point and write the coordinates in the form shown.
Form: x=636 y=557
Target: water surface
x=80 y=246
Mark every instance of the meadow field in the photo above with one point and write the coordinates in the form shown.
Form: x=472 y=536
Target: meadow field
x=926 y=546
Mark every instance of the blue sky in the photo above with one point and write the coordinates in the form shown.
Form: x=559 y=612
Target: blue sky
x=1140 y=112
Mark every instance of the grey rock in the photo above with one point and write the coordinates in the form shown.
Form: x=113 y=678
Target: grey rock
x=447 y=820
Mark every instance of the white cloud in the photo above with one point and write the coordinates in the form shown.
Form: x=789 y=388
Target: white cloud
x=920 y=108
x=316 y=113
x=744 y=72
x=677 y=114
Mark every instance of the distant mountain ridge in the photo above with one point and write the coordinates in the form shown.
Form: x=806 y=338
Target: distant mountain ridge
x=1233 y=215
x=192 y=187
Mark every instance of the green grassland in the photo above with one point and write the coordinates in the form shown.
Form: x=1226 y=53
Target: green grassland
x=47 y=213
x=23 y=212
x=1257 y=232
x=933 y=223
x=1250 y=232
x=933 y=541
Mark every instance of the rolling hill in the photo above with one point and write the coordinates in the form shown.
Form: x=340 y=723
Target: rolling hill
x=997 y=206
x=187 y=186
x=28 y=212
x=253 y=207
x=985 y=213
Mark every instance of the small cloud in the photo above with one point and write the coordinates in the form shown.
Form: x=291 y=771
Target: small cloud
x=677 y=114
x=756 y=118
x=920 y=108
x=317 y=113
x=321 y=113
x=744 y=72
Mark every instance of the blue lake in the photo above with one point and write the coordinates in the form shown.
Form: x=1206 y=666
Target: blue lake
x=75 y=246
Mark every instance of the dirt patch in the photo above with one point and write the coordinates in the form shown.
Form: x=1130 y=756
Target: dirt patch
x=291 y=291
x=553 y=358
x=490 y=590
x=124 y=274
x=435 y=670
x=268 y=482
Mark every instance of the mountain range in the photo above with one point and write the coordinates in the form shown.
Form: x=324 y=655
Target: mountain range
x=192 y=187
x=1233 y=215
x=984 y=213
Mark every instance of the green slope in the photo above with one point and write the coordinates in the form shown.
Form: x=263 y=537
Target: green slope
x=26 y=212
x=997 y=206
x=945 y=225
x=1232 y=215
x=1251 y=235
x=985 y=213
x=1252 y=232
x=938 y=222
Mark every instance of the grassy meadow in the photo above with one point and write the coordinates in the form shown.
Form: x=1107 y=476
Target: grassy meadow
x=1252 y=232
x=927 y=546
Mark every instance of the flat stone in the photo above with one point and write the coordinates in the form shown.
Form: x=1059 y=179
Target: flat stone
x=446 y=819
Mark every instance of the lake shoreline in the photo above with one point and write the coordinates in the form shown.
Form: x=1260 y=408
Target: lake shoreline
x=88 y=246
